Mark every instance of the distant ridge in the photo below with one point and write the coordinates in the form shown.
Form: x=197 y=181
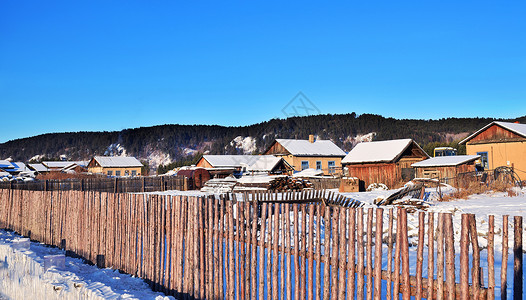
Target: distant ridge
x=163 y=144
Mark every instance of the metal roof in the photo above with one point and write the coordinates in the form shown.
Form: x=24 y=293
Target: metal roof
x=233 y=161
x=517 y=128
x=446 y=161
x=39 y=167
x=265 y=163
x=306 y=148
x=117 y=161
x=380 y=151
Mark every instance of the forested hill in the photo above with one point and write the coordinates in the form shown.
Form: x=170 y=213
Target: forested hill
x=168 y=143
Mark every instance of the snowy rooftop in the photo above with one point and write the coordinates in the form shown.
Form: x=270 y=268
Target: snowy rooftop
x=4 y=164
x=234 y=160
x=306 y=148
x=117 y=161
x=264 y=163
x=39 y=167
x=446 y=161
x=517 y=128
x=382 y=151
x=63 y=163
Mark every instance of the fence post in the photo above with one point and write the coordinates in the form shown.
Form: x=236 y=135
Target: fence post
x=464 y=258
x=504 y=268
x=517 y=262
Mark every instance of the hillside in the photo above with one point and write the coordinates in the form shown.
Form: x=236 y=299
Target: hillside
x=170 y=143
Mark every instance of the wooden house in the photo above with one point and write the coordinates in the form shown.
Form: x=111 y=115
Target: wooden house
x=445 y=168
x=499 y=144
x=198 y=177
x=387 y=162
x=115 y=166
x=321 y=155
x=220 y=165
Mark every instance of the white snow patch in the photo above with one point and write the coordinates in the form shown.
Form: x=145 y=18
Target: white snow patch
x=247 y=144
x=158 y=157
x=115 y=149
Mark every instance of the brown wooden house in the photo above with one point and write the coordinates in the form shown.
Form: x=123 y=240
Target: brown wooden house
x=387 y=162
x=445 y=168
x=499 y=144
x=198 y=177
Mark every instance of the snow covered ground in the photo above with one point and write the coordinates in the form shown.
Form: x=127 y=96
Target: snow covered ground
x=23 y=276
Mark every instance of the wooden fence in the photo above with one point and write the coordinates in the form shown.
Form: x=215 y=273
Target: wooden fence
x=209 y=248
x=113 y=185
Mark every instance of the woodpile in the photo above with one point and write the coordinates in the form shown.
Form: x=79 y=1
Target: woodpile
x=288 y=183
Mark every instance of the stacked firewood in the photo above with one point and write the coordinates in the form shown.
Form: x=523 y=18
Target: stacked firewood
x=289 y=184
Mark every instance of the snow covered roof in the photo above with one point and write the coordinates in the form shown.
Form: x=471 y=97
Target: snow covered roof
x=381 y=151
x=117 y=161
x=39 y=167
x=446 y=161
x=306 y=148
x=234 y=160
x=517 y=128
x=57 y=164
x=5 y=164
x=265 y=163
x=20 y=166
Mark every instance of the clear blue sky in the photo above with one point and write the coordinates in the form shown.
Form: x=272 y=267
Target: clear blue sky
x=110 y=65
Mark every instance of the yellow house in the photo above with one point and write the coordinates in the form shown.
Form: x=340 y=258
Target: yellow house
x=115 y=166
x=499 y=144
x=322 y=155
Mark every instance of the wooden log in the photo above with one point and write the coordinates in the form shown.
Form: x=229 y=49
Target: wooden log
x=275 y=254
x=369 y=264
x=504 y=264
x=464 y=258
x=475 y=270
x=335 y=248
x=398 y=248
x=450 y=255
x=296 y=253
x=378 y=254
x=303 y=242
x=517 y=261
x=389 y=283
x=360 y=246
x=287 y=247
x=406 y=292
x=262 y=237
x=343 y=252
x=311 y=253
x=420 y=255
x=326 y=255
x=351 y=262
x=430 y=255
x=318 y=245
x=231 y=254
x=440 y=256
x=491 y=257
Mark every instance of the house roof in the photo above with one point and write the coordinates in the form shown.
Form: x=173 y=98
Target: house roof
x=222 y=161
x=381 y=151
x=19 y=166
x=5 y=164
x=446 y=161
x=58 y=164
x=117 y=161
x=516 y=128
x=265 y=163
x=306 y=148
x=39 y=167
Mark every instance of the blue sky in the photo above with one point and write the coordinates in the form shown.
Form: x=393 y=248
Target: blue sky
x=110 y=65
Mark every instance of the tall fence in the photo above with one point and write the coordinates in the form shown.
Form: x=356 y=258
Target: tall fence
x=103 y=184
x=271 y=247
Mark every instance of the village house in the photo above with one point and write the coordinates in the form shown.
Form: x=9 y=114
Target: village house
x=387 y=162
x=221 y=165
x=499 y=144
x=321 y=155
x=445 y=168
x=61 y=165
x=115 y=166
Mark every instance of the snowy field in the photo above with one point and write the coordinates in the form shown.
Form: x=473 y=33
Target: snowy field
x=23 y=276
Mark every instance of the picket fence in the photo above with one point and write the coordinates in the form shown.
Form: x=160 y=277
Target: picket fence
x=271 y=247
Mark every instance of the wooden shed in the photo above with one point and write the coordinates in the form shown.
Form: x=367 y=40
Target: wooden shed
x=446 y=168
x=388 y=162
x=198 y=177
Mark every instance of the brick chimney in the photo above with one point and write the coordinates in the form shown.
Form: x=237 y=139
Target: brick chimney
x=311 y=138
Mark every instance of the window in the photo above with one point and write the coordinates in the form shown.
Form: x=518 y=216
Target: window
x=134 y=173
x=304 y=164
x=332 y=166
x=484 y=159
x=117 y=173
x=318 y=165
x=110 y=173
